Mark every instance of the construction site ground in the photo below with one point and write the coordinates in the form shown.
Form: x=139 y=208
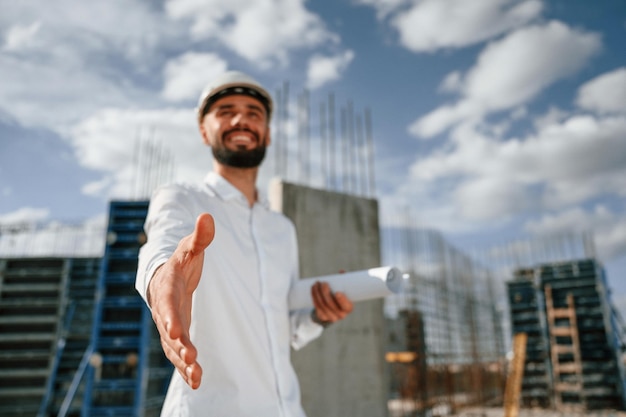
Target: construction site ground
x=403 y=408
x=499 y=412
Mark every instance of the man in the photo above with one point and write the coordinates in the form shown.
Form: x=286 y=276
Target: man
x=217 y=268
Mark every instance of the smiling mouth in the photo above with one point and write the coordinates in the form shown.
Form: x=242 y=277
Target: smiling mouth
x=241 y=137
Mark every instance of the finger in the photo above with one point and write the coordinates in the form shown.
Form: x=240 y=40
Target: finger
x=203 y=233
x=322 y=299
x=171 y=326
x=173 y=353
x=329 y=298
x=180 y=346
x=345 y=305
x=318 y=297
x=184 y=360
x=191 y=374
x=194 y=244
x=166 y=318
x=194 y=375
x=344 y=302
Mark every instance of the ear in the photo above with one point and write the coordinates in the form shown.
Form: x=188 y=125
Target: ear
x=203 y=133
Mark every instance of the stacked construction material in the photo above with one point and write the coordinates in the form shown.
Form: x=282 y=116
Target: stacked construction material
x=73 y=337
x=575 y=318
x=31 y=303
x=599 y=335
x=527 y=316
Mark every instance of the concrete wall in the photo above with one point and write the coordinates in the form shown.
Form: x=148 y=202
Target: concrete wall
x=342 y=374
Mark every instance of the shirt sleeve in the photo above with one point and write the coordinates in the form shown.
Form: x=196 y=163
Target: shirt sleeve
x=167 y=222
x=303 y=328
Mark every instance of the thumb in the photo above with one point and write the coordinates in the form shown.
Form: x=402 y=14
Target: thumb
x=203 y=233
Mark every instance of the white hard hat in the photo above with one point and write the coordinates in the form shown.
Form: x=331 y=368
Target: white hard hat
x=229 y=83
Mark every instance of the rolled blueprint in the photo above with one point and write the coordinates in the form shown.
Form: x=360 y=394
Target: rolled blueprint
x=357 y=286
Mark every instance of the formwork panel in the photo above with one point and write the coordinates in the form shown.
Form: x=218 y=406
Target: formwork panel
x=526 y=313
x=598 y=334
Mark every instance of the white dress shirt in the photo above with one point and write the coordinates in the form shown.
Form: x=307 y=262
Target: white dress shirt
x=240 y=324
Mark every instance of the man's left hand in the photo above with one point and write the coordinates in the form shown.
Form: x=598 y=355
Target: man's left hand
x=329 y=307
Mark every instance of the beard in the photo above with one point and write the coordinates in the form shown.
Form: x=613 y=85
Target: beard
x=239 y=158
x=245 y=158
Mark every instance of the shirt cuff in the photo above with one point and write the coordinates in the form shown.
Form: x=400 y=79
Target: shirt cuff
x=143 y=283
x=307 y=330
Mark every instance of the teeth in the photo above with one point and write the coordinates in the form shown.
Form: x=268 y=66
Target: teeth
x=241 y=138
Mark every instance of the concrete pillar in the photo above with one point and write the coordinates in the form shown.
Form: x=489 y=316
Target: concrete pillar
x=343 y=372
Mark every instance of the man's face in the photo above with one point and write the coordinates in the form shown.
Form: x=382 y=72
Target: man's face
x=237 y=130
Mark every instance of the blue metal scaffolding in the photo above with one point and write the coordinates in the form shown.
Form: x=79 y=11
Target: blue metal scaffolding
x=128 y=374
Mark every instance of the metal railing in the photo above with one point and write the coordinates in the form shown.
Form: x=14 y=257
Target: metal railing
x=78 y=376
x=61 y=342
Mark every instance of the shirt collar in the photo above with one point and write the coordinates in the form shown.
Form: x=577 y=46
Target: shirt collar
x=226 y=191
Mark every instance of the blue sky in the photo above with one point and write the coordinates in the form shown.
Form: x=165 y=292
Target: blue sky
x=494 y=120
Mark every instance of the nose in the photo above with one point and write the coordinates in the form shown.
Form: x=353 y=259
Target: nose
x=238 y=120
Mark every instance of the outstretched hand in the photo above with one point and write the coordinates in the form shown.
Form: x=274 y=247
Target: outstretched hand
x=329 y=307
x=170 y=294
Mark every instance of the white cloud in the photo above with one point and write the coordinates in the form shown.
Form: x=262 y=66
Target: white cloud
x=486 y=197
x=128 y=146
x=325 y=69
x=19 y=37
x=443 y=117
x=571 y=220
x=60 y=92
x=25 y=214
x=481 y=179
x=97 y=188
x=137 y=150
x=434 y=24
x=604 y=94
x=75 y=62
x=607 y=226
x=139 y=27
x=262 y=31
x=512 y=71
x=452 y=82
x=554 y=115
x=186 y=75
x=516 y=69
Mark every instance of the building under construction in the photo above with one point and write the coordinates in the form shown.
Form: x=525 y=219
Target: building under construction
x=455 y=323
x=575 y=336
x=76 y=339
x=446 y=348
